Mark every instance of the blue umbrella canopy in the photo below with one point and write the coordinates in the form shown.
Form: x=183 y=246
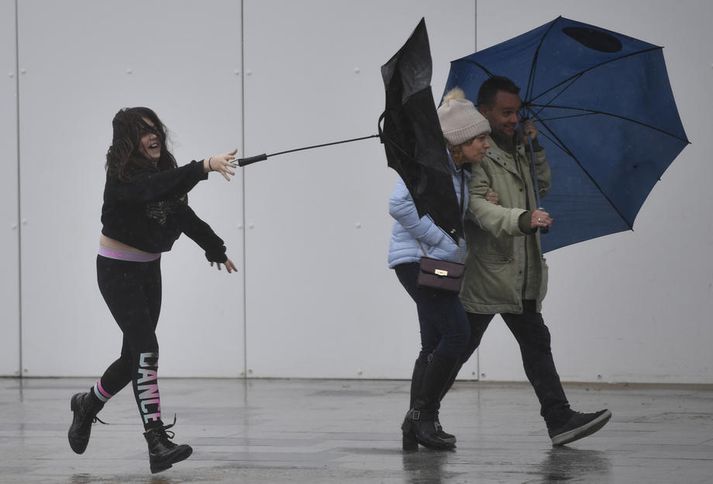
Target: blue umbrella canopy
x=606 y=115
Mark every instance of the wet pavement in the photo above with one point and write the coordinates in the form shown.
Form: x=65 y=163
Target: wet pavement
x=347 y=431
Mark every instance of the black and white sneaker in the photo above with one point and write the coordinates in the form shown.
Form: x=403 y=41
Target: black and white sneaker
x=578 y=425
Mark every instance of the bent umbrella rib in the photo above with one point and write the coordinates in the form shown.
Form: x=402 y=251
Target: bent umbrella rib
x=560 y=144
x=574 y=77
x=586 y=111
x=535 y=56
x=477 y=64
x=543 y=106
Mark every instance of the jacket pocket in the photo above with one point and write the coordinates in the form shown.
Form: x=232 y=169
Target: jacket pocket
x=495 y=250
x=490 y=280
x=493 y=260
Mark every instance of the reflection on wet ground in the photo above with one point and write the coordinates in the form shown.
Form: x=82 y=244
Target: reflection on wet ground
x=321 y=431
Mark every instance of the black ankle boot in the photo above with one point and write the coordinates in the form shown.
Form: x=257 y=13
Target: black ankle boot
x=421 y=428
x=162 y=452
x=85 y=410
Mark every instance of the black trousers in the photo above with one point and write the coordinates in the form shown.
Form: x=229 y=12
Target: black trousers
x=445 y=332
x=442 y=320
x=534 y=339
x=132 y=291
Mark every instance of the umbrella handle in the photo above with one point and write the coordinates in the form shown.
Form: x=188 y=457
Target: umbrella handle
x=533 y=172
x=251 y=159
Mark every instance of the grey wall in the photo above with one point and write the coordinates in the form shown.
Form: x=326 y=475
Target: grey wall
x=9 y=240
x=309 y=231
x=80 y=62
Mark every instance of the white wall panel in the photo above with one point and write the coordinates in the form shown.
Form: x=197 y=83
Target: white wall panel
x=634 y=306
x=82 y=61
x=9 y=241
x=321 y=301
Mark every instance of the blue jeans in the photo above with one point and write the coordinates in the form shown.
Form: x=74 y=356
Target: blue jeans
x=443 y=322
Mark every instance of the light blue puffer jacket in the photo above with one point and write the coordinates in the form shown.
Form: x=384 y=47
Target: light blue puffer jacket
x=410 y=229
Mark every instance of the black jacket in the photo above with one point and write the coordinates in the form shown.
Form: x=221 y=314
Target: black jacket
x=150 y=211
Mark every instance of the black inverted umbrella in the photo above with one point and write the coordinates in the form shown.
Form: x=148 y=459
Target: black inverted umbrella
x=411 y=134
x=606 y=115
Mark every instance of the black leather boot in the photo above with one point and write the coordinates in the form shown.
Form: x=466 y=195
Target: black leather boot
x=85 y=409
x=162 y=452
x=421 y=423
x=449 y=383
x=419 y=368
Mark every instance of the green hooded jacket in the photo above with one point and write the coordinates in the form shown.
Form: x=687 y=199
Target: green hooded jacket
x=504 y=264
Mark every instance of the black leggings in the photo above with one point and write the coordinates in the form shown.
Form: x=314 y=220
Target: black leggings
x=132 y=290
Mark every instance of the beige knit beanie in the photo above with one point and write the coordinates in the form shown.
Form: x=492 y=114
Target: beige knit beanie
x=460 y=120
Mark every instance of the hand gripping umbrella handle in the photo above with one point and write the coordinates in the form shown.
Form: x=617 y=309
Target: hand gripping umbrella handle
x=251 y=159
x=533 y=174
x=543 y=230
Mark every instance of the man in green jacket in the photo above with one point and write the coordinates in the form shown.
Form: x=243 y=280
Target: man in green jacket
x=505 y=271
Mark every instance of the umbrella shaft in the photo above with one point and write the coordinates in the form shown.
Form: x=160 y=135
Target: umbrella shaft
x=255 y=159
x=324 y=144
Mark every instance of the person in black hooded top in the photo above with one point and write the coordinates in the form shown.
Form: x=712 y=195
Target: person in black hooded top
x=145 y=210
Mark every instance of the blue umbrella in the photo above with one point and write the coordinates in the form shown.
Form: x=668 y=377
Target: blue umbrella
x=605 y=111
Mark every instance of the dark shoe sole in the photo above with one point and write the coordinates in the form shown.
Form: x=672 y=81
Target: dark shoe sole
x=181 y=453
x=437 y=446
x=580 y=432
x=434 y=444
x=409 y=443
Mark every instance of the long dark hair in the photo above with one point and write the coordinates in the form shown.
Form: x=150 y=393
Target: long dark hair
x=123 y=156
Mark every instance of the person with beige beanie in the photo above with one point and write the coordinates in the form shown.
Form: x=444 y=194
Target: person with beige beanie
x=443 y=322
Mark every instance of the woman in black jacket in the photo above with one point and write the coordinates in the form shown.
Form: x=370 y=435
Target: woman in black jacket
x=145 y=210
